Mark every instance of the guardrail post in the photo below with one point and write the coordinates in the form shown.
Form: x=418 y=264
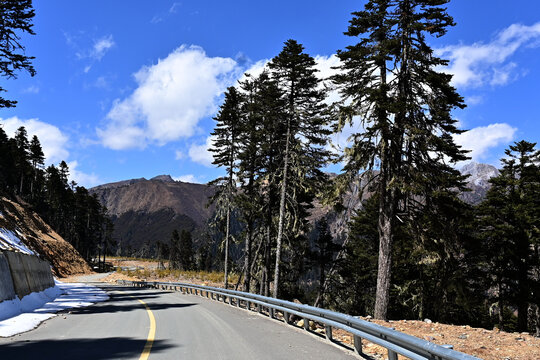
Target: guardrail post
x=328 y=332
x=392 y=355
x=306 y=324
x=248 y=305
x=286 y=317
x=271 y=312
x=358 y=344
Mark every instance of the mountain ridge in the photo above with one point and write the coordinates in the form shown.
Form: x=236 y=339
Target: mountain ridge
x=145 y=211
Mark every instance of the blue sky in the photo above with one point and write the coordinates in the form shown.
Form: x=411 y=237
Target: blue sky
x=127 y=89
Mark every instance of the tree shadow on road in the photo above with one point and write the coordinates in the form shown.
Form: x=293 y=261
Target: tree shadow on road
x=111 y=307
x=80 y=349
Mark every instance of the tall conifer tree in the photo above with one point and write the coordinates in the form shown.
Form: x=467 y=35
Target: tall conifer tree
x=508 y=223
x=305 y=135
x=225 y=149
x=389 y=82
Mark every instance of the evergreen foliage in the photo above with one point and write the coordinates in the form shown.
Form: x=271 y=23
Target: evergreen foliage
x=15 y=20
x=508 y=222
x=225 y=149
x=389 y=82
x=69 y=209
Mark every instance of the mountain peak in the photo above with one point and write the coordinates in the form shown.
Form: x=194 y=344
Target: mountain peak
x=479 y=173
x=164 y=178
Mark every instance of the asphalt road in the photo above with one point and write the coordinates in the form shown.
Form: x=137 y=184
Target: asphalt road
x=186 y=327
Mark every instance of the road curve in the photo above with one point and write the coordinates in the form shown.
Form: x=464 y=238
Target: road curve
x=186 y=327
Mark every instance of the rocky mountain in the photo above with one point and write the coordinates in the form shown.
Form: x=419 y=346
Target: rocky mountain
x=478 y=181
x=146 y=211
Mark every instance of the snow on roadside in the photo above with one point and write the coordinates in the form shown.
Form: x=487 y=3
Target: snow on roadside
x=20 y=315
x=9 y=241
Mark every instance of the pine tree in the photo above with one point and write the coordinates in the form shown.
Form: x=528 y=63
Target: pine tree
x=225 y=149
x=186 y=250
x=175 y=251
x=322 y=256
x=37 y=159
x=389 y=82
x=306 y=135
x=16 y=18
x=22 y=156
x=508 y=224
x=8 y=178
x=258 y=108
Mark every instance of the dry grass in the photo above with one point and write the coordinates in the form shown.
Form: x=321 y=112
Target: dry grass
x=207 y=277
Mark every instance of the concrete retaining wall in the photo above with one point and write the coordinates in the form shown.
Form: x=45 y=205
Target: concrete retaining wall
x=7 y=292
x=28 y=273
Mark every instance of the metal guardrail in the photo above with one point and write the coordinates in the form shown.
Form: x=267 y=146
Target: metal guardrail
x=394 y=341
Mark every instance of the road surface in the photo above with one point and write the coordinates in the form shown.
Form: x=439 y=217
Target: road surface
x=183 y=327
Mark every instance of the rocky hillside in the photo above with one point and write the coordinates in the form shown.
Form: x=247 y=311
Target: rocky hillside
x=146 y=211
x=17 y=223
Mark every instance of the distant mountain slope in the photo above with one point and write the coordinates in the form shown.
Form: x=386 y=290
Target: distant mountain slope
x=158 y=193
x=146 y=211
x=478 y=181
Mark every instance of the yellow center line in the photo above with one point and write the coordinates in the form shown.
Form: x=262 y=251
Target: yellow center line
x=151 y=333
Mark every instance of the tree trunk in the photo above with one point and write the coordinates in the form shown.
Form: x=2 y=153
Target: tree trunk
x=387 y=207
x=281 y=212
x=247 y=260
x=523 y=304
x=21 y=185
x=227 y=247
x=266 y=271
x=386 y=229
x=537 y=321
x=501 y=308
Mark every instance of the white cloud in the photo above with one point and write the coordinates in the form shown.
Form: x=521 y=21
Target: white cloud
x=81 y=178
x=189 y=178
x=31 y=90
x=53 y=141
x=179 y=155
x=171 y=98
x=200 y=153
x=174 y=7
x=101 y=46
x=325 y=65
x=486 y=63
x=480 y=139
x=474 y=100
x=255 y=69
x=156 y=19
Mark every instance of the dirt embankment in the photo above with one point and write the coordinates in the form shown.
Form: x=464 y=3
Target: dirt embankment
x=42 y=239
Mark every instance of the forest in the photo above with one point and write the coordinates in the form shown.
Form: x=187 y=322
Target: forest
x=414 y=250
x=69 y=209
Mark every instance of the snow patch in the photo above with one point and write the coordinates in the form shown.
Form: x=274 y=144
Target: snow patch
x=20 y=315
x=11 y=241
